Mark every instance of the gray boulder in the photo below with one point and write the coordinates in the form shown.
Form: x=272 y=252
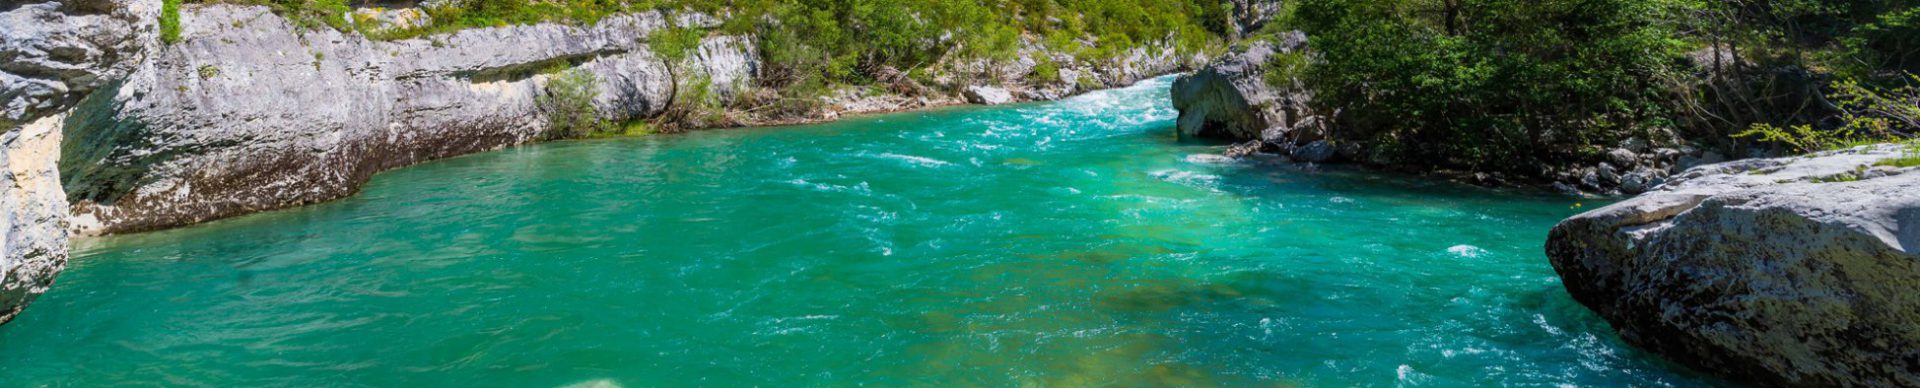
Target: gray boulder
x=1792 y=271
x=1231 y=98
x=1318 y=151
x=250 y=113
x=988 y=95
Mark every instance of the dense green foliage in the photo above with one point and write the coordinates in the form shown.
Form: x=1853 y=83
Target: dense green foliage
x=1866 y=115
x=1489 y=84
x=839 y=41
x=815 y=47
x=1799 y=67
x=1513 y=85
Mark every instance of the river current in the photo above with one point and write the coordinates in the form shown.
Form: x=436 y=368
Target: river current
x=1071 y=243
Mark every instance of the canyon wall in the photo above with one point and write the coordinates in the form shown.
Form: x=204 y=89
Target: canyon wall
x=51 y=56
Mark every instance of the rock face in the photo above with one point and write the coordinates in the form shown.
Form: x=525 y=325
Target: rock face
x=51 y=55
x=1792 y=271
x=33 y=214
x=1232 y=99
x=249 y=113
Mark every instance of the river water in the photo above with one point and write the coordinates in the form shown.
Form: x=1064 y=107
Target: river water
x=1072 y=243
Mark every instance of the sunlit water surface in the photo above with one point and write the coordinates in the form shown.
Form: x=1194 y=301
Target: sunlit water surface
x=1073 y=243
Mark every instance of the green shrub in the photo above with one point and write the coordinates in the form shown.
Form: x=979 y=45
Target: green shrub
x=1046 y=70
x=1490 y=85
x=675 y=44
x=568 y=104
x=1868 y=115
x=1282 y=69
x=170 y=21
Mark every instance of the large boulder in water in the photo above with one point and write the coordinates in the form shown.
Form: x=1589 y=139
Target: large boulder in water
x=1232 y=99
x=1792 y=271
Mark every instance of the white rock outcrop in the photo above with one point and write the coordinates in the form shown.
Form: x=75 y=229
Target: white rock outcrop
x=988 y=95
x=1232 y=99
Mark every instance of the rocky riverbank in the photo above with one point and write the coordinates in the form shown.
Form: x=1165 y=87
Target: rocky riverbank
x=1242 y=97
x=1785 y=272
x=248 y=111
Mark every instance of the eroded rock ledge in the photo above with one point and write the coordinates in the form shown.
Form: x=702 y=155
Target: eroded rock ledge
x=250 y=113
x=51 y=56
x=1791 y=271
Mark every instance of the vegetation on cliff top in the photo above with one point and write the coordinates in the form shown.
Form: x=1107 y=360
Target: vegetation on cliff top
x=1512 y=85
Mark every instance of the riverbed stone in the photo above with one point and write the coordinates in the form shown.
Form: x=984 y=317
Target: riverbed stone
x=1786 y=272
x=1318 y=151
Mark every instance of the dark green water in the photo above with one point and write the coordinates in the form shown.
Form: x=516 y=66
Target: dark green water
x=1065 y=244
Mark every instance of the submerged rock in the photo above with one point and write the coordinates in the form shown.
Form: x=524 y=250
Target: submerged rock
x=1318 y=151
x=1791 y=271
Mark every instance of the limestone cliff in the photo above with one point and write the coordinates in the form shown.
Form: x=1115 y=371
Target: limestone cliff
x=51 y=56
x=249 y=113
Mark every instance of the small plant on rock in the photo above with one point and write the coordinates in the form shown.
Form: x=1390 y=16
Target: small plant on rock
x=568 y=104
x=170 y=21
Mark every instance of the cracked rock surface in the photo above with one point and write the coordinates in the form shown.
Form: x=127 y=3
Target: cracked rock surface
x=249 y=113
x=52 y=54
x=1791 y=271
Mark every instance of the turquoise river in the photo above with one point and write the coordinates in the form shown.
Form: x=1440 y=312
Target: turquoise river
x=1072 y=243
